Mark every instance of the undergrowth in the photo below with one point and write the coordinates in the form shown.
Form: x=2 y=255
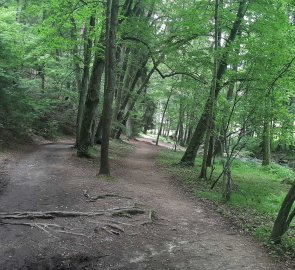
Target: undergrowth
x=256 y=199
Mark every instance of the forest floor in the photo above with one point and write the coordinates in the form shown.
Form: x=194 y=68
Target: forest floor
x=147 y=222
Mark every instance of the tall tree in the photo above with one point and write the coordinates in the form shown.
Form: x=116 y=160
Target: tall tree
x=189 y=156
x=110 y=79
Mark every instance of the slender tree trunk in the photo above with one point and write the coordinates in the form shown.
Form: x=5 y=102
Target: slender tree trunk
x=211 y=150
x=124 y=117
x=129 y=125
x=266 y=144
x=227 y=181
x=186 y=128
x=180 y=138
x=130 y=91
x=110 y=77
x=163 y=115
x=168 y=128
x=148 y=115
x=189 y=156
x=209 y=134
x=121 y=81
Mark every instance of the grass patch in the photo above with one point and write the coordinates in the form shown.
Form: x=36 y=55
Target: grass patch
x=257 y=193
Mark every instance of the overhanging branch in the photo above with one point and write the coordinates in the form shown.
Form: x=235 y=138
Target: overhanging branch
x=155 y=64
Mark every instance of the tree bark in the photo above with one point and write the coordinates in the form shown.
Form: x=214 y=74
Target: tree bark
x=284 y=217
x=85 y=76
x=75 y=53
x=110 y=77
x=91 y=103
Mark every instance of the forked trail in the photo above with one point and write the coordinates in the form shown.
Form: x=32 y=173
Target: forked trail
x=143 y=220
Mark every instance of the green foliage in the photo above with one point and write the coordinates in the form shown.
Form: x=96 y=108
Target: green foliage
x=25 y=108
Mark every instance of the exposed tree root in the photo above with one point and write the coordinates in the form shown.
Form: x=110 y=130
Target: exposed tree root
x=43 y=227
x=153 y=219
x=153 y=215
x=119 y=222
x=128 y=212
x=70 y=232
x=106 y=226
x=103 y=196
x=110 y=228
x=54 y=214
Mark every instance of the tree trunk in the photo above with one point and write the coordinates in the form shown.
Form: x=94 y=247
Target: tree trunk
x=168 y=128
x=285 y=216
x=133 y=102
x=130 y=91
x=189 y=156
x=75 y=53
x=91 y=104
x=180 y=138
x=85 y=77
x=211 y=151
x=203 y=174
x=110 y=77
x=266 y=149
x=163 y=115
x=122 y=81
x=227 y=181
x=148 y=116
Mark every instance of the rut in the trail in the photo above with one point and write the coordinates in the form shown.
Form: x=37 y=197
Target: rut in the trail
x=173 y=231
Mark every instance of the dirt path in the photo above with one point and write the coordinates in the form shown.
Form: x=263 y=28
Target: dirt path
x=187 y=236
